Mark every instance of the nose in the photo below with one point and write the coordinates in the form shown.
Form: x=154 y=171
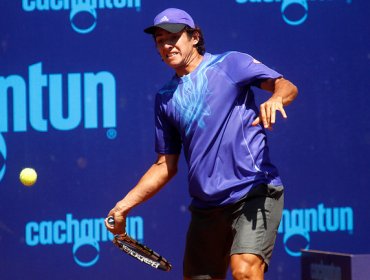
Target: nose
x=164 y=47
x=168 y=46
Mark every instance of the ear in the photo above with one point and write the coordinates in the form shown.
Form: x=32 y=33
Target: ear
x=196 y=38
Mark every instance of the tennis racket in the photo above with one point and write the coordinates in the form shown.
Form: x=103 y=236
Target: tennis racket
x=140 y=252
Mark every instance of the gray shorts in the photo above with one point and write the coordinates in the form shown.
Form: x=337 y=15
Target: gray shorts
x=247 y=227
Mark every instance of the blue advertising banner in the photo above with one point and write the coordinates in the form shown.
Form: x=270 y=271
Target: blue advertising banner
x=77 y=85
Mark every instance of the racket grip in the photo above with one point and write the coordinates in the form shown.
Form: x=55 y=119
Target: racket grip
x=110 y=220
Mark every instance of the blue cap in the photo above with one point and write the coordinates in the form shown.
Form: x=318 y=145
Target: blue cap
x=172 y=20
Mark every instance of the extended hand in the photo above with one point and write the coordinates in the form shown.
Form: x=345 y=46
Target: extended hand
x=268 y=112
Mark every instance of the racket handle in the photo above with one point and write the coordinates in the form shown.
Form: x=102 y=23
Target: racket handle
x=110 y=220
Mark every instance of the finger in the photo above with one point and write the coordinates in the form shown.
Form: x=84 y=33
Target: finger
x=111 y=214
x=107 y=225
x=283 y=113
x=263 y=116
x=108 y=220
x=256 y=121
x=269 y=110
x=273 y=114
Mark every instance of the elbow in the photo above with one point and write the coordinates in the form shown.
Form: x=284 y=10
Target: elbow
x=292 y=88
x=168 y=164
x=172 y=171
x=294 y=91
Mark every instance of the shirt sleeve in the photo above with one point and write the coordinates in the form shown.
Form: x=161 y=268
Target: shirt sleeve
x=243 y=69
x=167 y=138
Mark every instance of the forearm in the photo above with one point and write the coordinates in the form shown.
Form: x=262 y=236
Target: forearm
x=286 y=90
x=151 y=182
x=158 y=175
x=281 y=89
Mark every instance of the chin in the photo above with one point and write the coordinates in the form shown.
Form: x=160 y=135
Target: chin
x=173 y=64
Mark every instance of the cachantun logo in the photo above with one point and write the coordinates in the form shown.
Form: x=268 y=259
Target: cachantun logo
x=83 y=13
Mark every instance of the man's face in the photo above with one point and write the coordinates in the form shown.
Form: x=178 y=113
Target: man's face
x=176 y=49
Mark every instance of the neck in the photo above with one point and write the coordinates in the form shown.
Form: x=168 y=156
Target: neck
x=191 y=65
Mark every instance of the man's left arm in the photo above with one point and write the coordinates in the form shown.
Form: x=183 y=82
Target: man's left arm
x=283 y=93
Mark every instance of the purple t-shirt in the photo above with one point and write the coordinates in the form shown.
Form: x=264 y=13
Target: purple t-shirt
x=209 y=113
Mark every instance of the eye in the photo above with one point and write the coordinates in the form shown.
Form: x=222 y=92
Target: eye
x=159 y=41
x=175 y=37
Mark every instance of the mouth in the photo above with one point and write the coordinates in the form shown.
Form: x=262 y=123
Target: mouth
x=169 y=55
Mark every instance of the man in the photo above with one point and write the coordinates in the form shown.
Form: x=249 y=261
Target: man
x=208 y=109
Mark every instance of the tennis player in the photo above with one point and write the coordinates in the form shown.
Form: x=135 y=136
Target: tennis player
x=208 y=110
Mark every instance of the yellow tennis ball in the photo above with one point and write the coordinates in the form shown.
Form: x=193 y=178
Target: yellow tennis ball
x=28 y=177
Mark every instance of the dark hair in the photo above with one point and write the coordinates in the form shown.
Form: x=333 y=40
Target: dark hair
x=201 y=48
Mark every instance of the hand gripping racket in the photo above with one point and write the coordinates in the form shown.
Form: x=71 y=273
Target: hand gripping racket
x=140 y=252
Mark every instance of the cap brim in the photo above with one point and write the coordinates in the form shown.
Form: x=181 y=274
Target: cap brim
x=170 y=27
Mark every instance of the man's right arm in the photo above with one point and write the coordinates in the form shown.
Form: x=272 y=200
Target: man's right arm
x=153 y=180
